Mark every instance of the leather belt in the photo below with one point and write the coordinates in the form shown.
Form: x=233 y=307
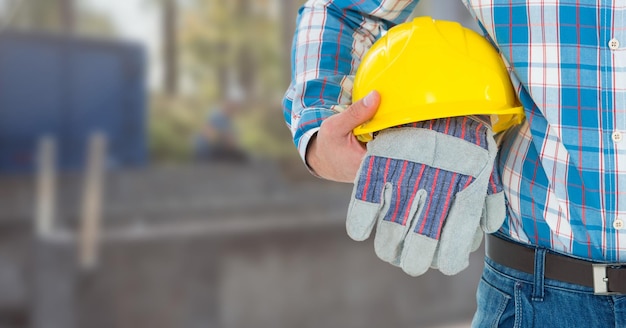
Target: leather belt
x=604 y=278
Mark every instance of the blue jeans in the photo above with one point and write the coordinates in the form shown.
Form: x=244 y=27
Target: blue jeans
x=511 y=298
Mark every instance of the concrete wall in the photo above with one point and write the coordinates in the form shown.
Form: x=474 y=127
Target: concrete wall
x=258 y=251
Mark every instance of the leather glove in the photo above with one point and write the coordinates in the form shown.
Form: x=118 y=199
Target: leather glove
x=425 y=185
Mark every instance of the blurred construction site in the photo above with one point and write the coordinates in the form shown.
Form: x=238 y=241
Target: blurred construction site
x=147 y=178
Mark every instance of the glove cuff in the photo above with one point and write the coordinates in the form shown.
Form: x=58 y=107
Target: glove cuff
x=469 y=128
x=425 y=145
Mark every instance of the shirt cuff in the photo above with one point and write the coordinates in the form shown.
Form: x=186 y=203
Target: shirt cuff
x=304 y=146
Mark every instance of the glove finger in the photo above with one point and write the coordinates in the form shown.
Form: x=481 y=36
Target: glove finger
x=494 y=212
x=366 y=202
x=422 y=240
x=390 y=235
x=495 y=208
x=478 y=239
x=451 y=258
x=459 y=233
x=418 y=250
x=361 y=218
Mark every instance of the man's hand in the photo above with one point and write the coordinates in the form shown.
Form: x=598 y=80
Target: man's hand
x=335 y=153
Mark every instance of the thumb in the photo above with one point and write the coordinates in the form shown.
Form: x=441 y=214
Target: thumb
x=357 y=113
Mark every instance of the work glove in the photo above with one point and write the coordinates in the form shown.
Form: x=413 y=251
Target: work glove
x=426 y=186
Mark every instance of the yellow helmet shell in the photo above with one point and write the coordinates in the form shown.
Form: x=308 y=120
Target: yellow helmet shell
x=427 y=69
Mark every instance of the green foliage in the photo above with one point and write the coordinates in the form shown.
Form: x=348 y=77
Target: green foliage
x=234 y=43
x=171 y=127
x=48 y=16
x=264 y=134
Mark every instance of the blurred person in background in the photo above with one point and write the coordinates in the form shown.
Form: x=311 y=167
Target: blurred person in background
x=218 y=139
x=559 y=252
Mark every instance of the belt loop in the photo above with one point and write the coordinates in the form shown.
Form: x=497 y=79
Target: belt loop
x=540 y=260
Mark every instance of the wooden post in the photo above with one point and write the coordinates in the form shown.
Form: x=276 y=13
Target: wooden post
x=53 y=278
x=45 y=201
x=170 y=46
x=91 y=214
x=67 y=13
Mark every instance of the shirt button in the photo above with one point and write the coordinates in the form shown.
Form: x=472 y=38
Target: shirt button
x=613 y=44
x=618 y=224
x=617 y=136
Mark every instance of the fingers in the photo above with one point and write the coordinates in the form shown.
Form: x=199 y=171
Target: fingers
x=334 y=153
x=494 y=212
x=458 y=236
x=417 y=255
x=478 y=239
x=390 y=235
x=361 y=218
x=398 y=244
x=362 y=215
x=418 y=249
x=355 y=115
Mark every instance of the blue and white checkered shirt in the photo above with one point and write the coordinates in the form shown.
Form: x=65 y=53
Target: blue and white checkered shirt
x=564 y=168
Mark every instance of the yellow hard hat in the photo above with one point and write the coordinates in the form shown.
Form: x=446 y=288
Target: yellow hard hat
x=427 y=69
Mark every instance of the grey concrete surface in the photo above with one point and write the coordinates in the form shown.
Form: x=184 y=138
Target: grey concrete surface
x=216 y=246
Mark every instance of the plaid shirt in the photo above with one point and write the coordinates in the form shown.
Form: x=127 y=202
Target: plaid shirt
x=564 y=168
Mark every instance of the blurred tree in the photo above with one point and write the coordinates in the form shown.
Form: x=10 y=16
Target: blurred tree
x=169 y=39
x=38 y=15
x=170 y=42
x=208 y=41
x=231 y=48
x=68 y=15
x=61 y=16
x=288 y=13
x=49 y=15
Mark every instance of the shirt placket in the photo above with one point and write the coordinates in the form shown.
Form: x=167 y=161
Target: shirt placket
x=616 y=96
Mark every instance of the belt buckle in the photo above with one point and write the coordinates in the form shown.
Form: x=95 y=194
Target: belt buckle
x=601 y=280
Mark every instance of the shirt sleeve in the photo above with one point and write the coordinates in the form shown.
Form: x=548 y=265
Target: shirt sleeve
x=330 y=39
